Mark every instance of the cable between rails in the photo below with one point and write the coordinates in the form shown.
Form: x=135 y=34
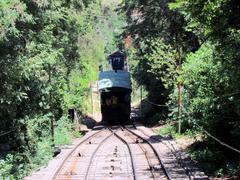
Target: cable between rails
x=155 y=152
x=148 y=160
x=94 y=153
x=130 y=153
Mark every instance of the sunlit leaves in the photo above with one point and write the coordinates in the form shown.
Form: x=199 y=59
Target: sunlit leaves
x=161 y=59
x=49 y=54
x=212 y=17
x=11 y=12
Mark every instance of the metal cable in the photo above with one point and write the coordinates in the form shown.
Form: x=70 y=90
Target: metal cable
x=159 y=105
x=210 y=135
x=206 y=132
x=230 y=94
x=226 y=95
x=8 y=132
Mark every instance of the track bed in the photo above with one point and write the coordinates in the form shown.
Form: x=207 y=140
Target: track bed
x=118 y=153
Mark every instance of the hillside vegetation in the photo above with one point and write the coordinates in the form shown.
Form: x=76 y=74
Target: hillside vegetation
x=49 y=55
x=194 y=44
x=50 y=52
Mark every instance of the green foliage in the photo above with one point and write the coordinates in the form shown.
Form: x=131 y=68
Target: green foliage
x=77 y=90
x=154 y=19
x=166 y=130
x=211 y=75
x=171 y=128
x=213 y=18
x=161 y=44
x=11 y=12
x=43 y=154
x=208 y=100
x=36 y=146
x=77 y=134
x=166 y=36
x=49 y=55
x=155 y=68
x=36 y=61
x=63 y=131
x=213 y=161
x=35 y=149
x=50 y=51
x=209 y=94
x=160 y=62
x=5 y=167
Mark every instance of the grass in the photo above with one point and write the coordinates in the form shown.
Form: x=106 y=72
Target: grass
x=167 y=129
x=171 y=129
x=76 y=134
x=63 y=132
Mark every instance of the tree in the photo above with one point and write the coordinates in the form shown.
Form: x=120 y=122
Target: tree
x=162 y=43
x=217 y=24
x=49 y=54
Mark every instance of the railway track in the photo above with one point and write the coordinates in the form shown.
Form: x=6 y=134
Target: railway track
x=113 y=153
x=69 y=165
x=117 y=153
x=181 y=161
x=144 y=156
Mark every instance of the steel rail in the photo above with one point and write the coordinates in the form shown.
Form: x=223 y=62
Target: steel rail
x=72 y=151
x=154 y=150
x=174 y=152
x=94 y=153
x=148 y=159
x=130 y=153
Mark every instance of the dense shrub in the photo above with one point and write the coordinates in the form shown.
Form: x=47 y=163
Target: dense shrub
x=36 y=146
